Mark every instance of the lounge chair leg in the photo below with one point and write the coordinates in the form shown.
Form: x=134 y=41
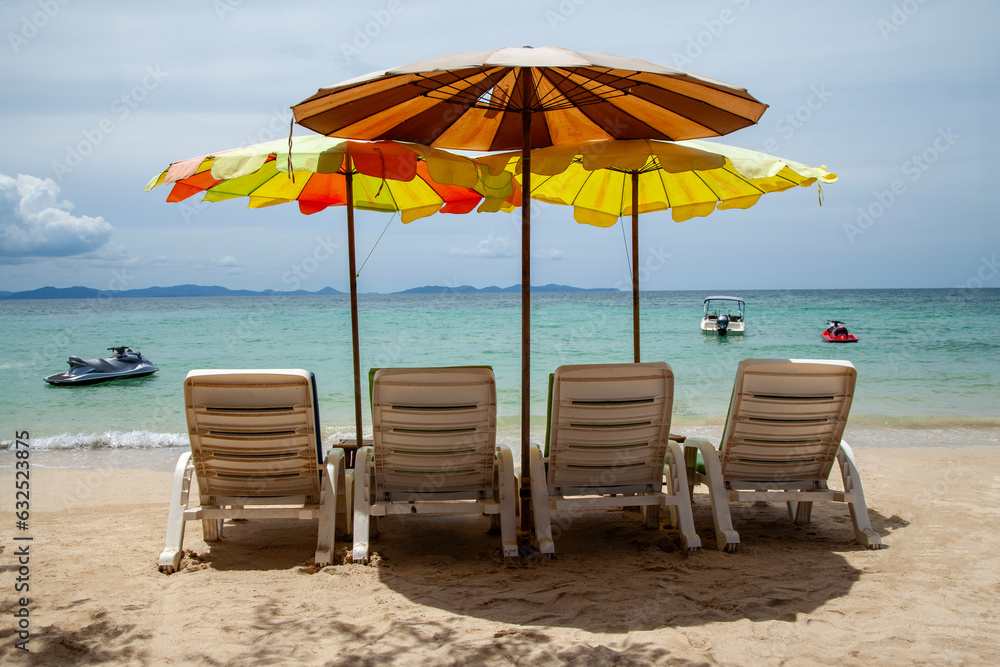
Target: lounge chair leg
x=863 y=531
x=540 y=501
x=508 y=503
x=494 y=528
x=669 y=481
x=726 y=538
x=678 y=489
x=362 y=502
x=345 y=502
x=651 y=516
x=170 y=557
x=691 y=469
x=800 y=511
x=212 y=529
x=333 y=481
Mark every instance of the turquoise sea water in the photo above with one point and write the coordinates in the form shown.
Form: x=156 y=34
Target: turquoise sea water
x=926 y=358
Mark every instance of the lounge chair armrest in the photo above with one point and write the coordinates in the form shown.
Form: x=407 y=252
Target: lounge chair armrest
x=540 y=500
x=848 y=452
x=506 y=491
x=726 y=538
x=692 y=448
x=863 y=531
x=170 y=557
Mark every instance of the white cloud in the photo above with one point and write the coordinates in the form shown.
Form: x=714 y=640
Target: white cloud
x=491 y=247
x=230 y=264
x=35 y=223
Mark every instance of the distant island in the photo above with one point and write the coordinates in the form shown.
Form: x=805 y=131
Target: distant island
x=149 y=292
x=468 y=289
x=214 y=290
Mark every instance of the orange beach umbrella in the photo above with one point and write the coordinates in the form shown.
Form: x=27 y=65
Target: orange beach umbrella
x=524 y=98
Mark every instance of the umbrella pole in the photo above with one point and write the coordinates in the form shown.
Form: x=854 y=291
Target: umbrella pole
x=635 y=265
x=355 y=347
x=525 y=492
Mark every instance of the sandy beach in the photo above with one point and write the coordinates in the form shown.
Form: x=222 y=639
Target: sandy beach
x=438 y=591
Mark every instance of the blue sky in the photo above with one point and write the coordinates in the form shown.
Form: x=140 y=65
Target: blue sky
x=900 y=99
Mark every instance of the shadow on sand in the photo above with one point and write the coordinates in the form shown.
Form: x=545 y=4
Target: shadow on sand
x=609 y=576
x=612 y=576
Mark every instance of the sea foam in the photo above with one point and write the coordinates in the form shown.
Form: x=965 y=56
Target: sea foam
x=107 y=440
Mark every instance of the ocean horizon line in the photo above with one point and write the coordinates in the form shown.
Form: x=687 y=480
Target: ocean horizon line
x=190 y=290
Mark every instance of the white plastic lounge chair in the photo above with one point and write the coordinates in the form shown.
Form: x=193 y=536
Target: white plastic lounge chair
x=607 y=446
x=784 y=431
x=434 y=451
x=255 y=453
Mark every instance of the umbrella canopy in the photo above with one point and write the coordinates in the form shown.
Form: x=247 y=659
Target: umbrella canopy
x=607 y=180
x=317 y=172
x=690 y=178
x=386 y=176
x=527 y=98
x=475 y=101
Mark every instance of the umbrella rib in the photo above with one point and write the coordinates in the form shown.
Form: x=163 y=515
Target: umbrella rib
x=586 y=97
x=626 y=191
x=653 y=164
x=748 y=181
x=574 y=93
x=578 y=94
x=583 y=186
x=718 y=197
x=570 y=94
x=452 y=93
x=252 y=191
x=660 y=173
x=710 y=188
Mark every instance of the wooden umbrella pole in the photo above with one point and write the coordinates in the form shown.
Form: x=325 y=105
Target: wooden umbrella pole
x=356 y=348
x=526 y=519
x=635 y=265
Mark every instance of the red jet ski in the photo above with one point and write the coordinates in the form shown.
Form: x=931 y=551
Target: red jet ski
x=837 y=333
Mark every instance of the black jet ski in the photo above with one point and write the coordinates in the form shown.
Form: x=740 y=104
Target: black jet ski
x=126 y=363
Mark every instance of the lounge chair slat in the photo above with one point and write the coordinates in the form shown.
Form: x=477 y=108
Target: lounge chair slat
x=783 y=434
x=434 y=451
x=255 y=438
x=608 y=433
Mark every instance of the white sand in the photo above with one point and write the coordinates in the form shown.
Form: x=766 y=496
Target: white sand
x=439 y=593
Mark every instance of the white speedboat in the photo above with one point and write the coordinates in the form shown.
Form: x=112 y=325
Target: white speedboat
x=724 y=315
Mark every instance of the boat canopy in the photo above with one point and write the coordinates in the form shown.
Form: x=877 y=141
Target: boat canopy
x=721 y=298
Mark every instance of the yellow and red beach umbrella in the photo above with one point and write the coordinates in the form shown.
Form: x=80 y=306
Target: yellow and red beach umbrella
x=606 y=180
x=318 y=172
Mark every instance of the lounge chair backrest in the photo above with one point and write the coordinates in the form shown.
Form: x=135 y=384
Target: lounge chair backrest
x=786 y=419
x=254 y=433
x=608 y=427
x=434 y=432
